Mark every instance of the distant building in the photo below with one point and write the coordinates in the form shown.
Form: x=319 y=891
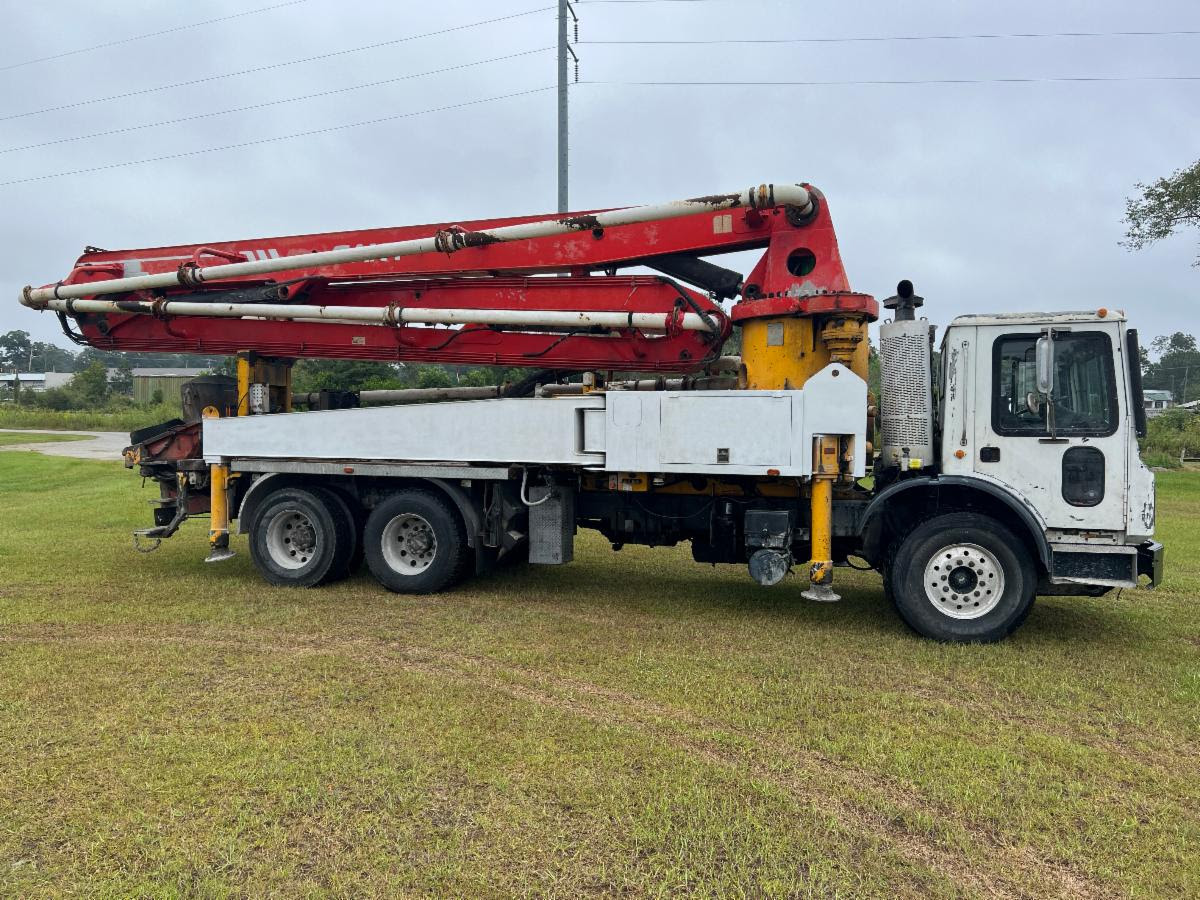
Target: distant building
x=28 y=381
x=1157 y=401
x=35 y=381
x=146 y=381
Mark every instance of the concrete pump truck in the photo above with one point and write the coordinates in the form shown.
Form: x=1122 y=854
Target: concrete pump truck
x=1007 y=468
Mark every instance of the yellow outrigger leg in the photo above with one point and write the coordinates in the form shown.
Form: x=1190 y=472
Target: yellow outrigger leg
x=825 y=472
x=218 y=506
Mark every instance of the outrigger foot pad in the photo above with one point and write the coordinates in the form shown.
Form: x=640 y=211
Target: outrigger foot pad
x=219 y=554
x=822 y=593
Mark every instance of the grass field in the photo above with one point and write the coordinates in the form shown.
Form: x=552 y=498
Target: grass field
x=126 y=419
x=634 y=723
x=10 y=439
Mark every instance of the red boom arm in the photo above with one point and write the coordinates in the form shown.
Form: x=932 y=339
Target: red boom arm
x=800 y=271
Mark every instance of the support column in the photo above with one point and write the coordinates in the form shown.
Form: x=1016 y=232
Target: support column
x=218 y=506
x=244 y=371
x=825 y=472
x=273 y=378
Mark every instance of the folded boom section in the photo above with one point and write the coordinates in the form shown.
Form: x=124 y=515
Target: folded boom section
x=524 y=291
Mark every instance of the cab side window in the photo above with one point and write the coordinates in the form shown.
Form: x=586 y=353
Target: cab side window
x=1085 y=394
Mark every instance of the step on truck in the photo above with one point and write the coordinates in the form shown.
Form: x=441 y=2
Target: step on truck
x=994 y=466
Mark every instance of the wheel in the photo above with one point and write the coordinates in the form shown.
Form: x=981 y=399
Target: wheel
x=415 y=543
x=962 y=577
x=297 y=540
x=349 y=551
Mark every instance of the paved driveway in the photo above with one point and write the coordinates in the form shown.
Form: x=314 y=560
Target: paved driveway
x=99 y=444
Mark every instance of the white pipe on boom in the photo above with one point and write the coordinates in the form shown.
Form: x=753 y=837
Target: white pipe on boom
x=387 y=315
x=448 y=240
x=412 y=395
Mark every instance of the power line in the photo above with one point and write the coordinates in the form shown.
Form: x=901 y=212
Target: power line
x=271 y=140
x=907 y=81
x=902 y=37
x=279 y=65
x=268 y=103
x=142 y=37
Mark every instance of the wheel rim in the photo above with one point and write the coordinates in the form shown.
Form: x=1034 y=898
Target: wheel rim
x=964 y=581
x=409 y=544
x=292 y=539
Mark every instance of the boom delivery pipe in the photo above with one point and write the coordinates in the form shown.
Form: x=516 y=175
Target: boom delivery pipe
x=386 y=315
x=448 y=240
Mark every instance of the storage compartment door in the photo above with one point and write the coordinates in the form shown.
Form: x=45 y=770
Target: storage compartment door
x=736 y=431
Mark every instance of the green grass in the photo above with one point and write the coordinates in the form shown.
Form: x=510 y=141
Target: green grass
x=1158 y=460
x=8 y=438
x=129 y=419
x=632 y=723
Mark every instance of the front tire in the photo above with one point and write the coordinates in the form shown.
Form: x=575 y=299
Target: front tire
x=415 y=543
x=962 y=578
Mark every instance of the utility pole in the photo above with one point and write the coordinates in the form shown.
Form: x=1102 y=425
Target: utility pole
x=563 y=6
x=564 y=48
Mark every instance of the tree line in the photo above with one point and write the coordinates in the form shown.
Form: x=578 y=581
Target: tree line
x=1176 y=368
x=20 y=353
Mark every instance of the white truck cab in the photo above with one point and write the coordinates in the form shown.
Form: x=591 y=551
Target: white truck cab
x=1010 y=470
x=1046 y=407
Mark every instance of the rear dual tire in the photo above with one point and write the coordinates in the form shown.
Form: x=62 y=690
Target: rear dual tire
x=303 y=537
x=415 y=543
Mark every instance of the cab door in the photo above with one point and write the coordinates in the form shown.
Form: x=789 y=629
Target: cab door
x=1065 y=450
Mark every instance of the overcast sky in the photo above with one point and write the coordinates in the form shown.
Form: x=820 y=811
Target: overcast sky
x=988 y=196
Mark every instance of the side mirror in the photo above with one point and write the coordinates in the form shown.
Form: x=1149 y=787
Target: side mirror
x=1045 y=364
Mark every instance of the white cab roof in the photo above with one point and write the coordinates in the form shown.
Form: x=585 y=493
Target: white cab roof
x=1090 y=316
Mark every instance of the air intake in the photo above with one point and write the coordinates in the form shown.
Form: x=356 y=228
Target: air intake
x=906 y=406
